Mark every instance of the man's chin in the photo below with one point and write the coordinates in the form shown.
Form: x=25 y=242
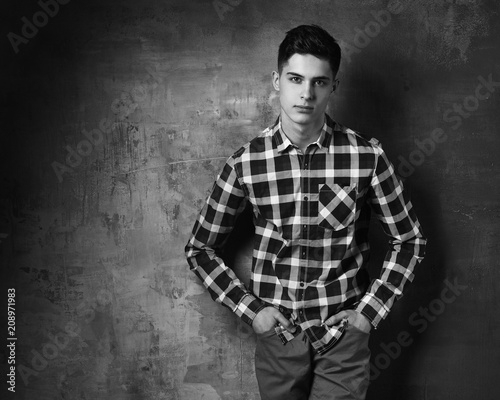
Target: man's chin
x=304 y=119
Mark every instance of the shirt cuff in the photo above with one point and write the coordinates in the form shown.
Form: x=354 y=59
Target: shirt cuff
x=248 y=307
x=372 y=309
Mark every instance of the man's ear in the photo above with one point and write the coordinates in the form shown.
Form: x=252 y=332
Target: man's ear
x=276 y=80
x=336 y=84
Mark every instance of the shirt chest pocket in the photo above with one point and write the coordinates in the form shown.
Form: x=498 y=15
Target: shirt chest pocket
x=337 y=206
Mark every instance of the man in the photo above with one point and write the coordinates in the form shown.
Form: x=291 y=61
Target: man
x=312 y=185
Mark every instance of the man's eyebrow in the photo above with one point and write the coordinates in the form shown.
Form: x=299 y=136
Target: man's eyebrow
x=325 y=78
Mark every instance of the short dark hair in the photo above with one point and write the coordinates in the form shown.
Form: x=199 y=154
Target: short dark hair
x=309 y=39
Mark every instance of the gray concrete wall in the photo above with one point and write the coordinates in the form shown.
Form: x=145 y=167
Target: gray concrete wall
x=118 y=115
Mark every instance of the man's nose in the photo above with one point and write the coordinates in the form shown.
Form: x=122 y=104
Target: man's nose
x=307 y=92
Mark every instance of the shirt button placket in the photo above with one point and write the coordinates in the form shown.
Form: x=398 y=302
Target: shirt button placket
x=303 y=252
x=301 y=291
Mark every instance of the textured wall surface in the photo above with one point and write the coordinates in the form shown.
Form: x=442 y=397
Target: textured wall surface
x=117 y=117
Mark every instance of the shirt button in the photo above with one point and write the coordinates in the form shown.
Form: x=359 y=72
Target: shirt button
x=302 y=284
x=306 y=198
x=301 y=312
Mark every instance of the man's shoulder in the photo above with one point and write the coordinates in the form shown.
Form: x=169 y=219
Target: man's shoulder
x=261 y=142
x=359 y=137
x=267 y=133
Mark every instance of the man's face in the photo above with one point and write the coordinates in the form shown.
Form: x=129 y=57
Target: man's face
x=304 y=86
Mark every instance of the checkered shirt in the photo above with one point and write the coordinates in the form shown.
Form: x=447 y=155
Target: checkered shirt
x=311 y=213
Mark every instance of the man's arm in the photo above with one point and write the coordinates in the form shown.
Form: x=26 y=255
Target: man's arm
x=407 y=243
x=210 y=232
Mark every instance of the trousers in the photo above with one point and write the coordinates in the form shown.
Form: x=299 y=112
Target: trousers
x=295 y=371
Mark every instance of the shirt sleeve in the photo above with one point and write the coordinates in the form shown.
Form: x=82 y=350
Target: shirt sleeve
x=395 y=212
x=210 y=232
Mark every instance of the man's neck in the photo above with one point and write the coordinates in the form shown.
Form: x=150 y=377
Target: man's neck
x=301 y=135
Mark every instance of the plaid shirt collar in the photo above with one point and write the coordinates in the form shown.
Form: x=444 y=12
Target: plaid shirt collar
x=283 y=143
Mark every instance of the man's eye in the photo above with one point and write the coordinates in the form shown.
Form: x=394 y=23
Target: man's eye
x=319 y=83
x=295 y=79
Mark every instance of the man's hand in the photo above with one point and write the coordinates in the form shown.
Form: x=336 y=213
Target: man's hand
x=267 y=318
x=355 y=318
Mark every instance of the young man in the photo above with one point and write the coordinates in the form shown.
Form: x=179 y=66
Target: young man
x=312 y=185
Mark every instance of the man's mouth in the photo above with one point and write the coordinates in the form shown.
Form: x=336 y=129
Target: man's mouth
x=301 y=108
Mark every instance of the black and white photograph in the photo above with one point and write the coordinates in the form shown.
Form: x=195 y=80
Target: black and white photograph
x=250 y=200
